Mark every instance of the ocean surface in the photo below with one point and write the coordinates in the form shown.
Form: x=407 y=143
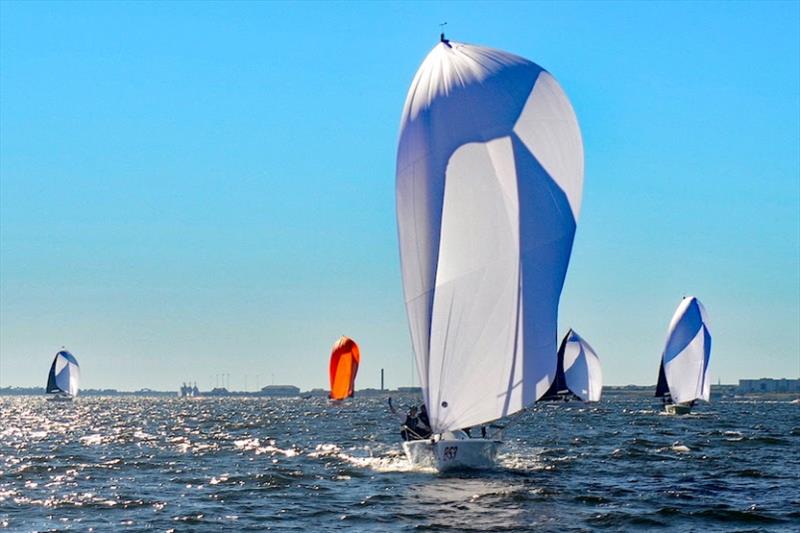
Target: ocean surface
x=310 y=465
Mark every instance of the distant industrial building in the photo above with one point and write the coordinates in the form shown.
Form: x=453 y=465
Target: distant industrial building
x=280 y=390
x=749 y=386
x=188 y=390
x=410 y=390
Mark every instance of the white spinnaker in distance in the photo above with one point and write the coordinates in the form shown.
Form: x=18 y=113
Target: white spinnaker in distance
x=582 y=371
x=687 y=353
x=489 y=184
x=64 y=374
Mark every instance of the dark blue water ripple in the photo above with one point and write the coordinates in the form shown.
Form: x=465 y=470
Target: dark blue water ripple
x=307 y=465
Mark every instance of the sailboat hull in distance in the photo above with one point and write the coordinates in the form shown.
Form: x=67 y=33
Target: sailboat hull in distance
x=58 y=397
x=453 y=450
x=678 y=408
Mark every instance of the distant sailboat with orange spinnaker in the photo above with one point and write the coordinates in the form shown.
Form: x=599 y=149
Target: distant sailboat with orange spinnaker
x=345 y=358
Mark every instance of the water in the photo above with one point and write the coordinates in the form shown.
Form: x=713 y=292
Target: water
x=307 y=465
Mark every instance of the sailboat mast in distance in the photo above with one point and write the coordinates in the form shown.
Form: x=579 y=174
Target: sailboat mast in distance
x=488 y=185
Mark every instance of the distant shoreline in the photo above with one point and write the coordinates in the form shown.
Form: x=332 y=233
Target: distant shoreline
x=630 y=391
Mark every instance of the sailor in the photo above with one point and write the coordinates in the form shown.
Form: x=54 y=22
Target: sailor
x=424 y=422
x=411 y=427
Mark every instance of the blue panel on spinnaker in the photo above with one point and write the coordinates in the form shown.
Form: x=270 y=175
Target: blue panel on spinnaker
x=685 y=330
x=68 y=356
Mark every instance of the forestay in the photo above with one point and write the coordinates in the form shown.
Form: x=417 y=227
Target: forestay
x=64 y=374
x=489 y=185
x=684 y=363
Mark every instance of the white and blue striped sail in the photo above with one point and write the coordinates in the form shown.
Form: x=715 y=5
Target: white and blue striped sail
x=684 y=364
x=578 y=372
x=582 y=372
x=65 y=374
x=489 y=185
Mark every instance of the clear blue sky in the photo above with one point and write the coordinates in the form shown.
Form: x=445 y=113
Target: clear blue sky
x=190 y=189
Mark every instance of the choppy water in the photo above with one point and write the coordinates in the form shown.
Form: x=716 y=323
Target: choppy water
x=207 y=464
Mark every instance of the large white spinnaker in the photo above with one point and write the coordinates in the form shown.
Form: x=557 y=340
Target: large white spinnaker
x=684 y=364
x=65 y=374
x=582 y=371
x=489 y=185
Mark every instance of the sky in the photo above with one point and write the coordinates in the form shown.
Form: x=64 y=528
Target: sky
x=192 y=189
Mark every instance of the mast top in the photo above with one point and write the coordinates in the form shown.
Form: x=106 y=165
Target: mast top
x=441 y=35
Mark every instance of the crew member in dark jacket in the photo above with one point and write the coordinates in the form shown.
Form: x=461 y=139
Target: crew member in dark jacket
x=413 y=427
x=424 y=422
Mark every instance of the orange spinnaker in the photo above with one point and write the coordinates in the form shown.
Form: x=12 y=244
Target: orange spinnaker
x=344 y=366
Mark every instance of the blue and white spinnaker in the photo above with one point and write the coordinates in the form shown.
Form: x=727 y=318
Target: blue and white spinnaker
x=683 y=374
x=578 y=372
x=489 y=185
x=65 y=375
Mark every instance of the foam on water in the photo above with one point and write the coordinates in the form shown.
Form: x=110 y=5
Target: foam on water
x=207 y=464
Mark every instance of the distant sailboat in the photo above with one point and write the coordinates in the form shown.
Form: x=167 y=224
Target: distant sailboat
x=489 y=185
x=345 y=358
x=683 y=374
x=63 y=381
x=578 y=374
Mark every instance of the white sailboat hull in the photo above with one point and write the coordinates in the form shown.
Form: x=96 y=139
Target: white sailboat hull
x=452 y=452
x=678 y=408
x=58 y=397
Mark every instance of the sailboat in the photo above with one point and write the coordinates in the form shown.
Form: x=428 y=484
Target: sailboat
x=343 y=367
x=683 y=374
x=488 y=190
x=578 y=372
x=63 y=380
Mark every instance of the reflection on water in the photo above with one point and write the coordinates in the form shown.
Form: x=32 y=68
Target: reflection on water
x=206 y=464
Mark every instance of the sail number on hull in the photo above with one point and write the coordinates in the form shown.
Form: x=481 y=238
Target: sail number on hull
x=449 y=453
